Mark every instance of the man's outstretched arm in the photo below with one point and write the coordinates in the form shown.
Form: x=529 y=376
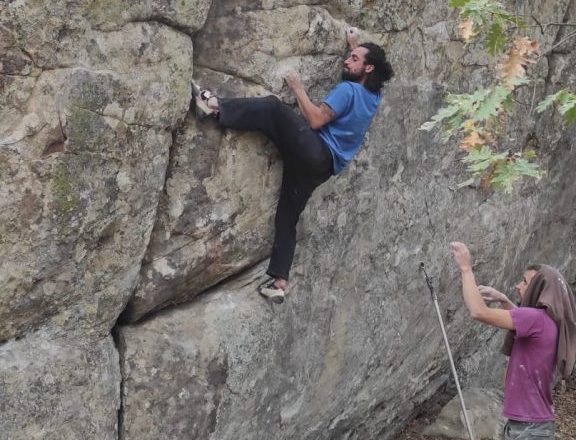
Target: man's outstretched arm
x=472 y=297
x=316 y=115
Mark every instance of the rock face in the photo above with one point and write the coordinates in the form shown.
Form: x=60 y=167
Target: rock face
x=116 y=200
x=484 y=409
x=233 y=366
x=59 y=388
x=193 y=245
x=84 y=158
x=89 y=98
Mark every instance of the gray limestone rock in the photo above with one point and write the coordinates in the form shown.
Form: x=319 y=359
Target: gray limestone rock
x=233 y=366
x=484 y=409
x=59 y=388
x=216 y=212
x=264 y=48
x=356 y=347
x=221 y=188
x=113 y=194
x=82 y=174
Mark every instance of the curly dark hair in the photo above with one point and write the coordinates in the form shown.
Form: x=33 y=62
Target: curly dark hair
x=382 y=68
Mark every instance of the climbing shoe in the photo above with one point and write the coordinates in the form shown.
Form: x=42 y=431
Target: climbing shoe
x=201 y=98
x=269 y=291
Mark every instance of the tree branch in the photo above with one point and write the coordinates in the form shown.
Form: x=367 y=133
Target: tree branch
x=562 y=41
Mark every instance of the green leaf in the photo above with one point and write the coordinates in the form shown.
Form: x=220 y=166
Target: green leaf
x=570 y=115
x=566 y=102
x=496 y=39
x=504 y=176
x=444 y=113
x=428 y=125
x=509 y=104
x=568 y=107
x=453 y=124
x=546 y=102
x=480 y=159
x=491 y=19
x=565 y=97
x=507 y=172
x=525 y=168
x=492 y=104
x=479 y=95
x=458 y=3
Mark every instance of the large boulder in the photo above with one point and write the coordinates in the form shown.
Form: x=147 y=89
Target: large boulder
x=89 y=98
x=354 y=350
x=55 y=388
x=215 y=214
x=84 y=152
x=234 y=366
x=483 y=410
x=357 y=346
x=113 y=194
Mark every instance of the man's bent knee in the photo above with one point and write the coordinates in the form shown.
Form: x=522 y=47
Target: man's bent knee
x=273 y=102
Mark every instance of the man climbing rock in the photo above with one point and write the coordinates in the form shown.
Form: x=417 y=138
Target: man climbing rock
x=540 y=341
x=314 y=145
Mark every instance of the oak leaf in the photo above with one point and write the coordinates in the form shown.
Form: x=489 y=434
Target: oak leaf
x=527 y=48
x=520 y=54
x=472 y=141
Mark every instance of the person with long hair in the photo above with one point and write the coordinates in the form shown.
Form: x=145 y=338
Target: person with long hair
x=314 y=145
x=541 y=341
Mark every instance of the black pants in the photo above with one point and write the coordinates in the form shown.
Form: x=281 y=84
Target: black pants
x=307 y=163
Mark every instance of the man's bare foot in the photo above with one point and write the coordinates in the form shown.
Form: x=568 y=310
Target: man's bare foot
x=281 y=283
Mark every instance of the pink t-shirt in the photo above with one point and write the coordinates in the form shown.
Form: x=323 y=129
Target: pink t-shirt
x=528 y=388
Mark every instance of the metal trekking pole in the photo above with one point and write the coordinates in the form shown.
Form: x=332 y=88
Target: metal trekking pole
x=435 y=300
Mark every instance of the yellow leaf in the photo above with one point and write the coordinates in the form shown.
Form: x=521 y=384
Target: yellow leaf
x=469 y=125
x=527 y=48
x=512 y=68
x=520 y=54
x=466 y=29
x=473 y=140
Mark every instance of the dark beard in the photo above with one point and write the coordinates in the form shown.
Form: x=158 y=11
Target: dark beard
x=349 y=76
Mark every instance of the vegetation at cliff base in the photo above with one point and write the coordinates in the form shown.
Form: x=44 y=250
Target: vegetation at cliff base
x=477 y=121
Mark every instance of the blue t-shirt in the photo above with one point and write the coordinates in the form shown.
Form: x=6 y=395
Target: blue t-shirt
x=354 y=106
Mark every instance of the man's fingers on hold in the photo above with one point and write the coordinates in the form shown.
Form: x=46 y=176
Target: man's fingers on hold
x=291 y=75
x=458 y=246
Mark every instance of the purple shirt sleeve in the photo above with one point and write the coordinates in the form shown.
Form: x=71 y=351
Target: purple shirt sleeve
x=526 y=321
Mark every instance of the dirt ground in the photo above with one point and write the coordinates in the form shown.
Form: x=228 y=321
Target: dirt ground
x=564 y=402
